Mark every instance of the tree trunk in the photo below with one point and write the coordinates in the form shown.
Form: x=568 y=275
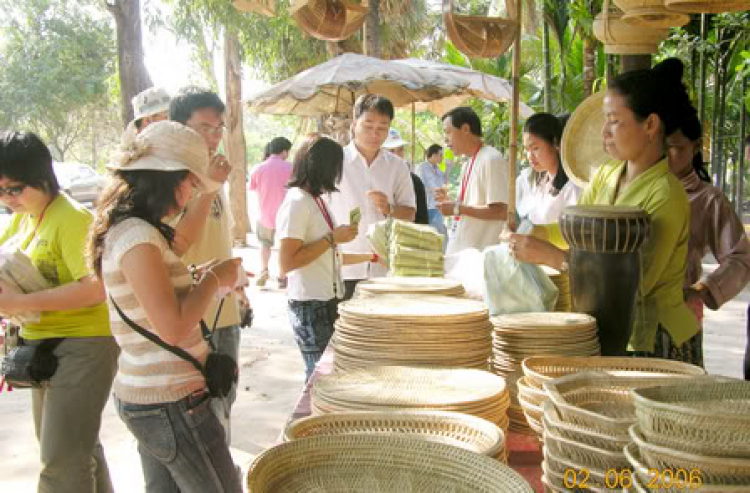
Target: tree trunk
x=741 y=163
x=722 y=102
x=628 y=63
x=589 y=65
x=547 y=68
x=372 y=29
x=134 y=77
x=702 y=86
x=235 y=138
x=715 y=163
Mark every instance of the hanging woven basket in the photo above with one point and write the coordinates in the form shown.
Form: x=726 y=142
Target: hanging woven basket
x=263 y=7
x=707 y=6
x=650 y=13
x=621 y=38
x=329 y=20
x=477 y=36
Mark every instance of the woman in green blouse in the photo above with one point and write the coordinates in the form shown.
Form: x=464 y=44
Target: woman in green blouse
x=641 y=109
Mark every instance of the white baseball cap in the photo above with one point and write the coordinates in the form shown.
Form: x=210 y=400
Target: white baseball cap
x=150 y=102
x=394 y=140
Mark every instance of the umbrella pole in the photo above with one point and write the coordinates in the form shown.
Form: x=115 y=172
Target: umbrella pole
x=413 y=133
x=513 y=147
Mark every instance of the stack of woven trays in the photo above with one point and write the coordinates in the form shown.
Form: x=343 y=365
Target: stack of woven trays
x=460 y=430
x=413 y=330
x=520 y=335
x=373 y=464
x=398 y=388
x=562 y=281
x=586 y=427
x=540 y=369
x=700 y=432
x=408 y=285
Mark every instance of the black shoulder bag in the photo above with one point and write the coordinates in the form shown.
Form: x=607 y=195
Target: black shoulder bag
x=220 y=371
x=30 y=366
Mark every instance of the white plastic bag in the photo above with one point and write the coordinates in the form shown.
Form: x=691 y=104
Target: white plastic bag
x=511 y=286
x=466 y=267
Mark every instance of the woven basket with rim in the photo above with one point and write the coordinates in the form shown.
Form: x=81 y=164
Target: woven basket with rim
x=585 y=455
x=646 y=476
x=623 y=38
x=540 y=369
x=553 y=421
x=556 y=468
x=531 y=394
x=714 y=471
x=707 y=6
x=650 y=13
x=460 y=430
x=329 y=20
x=263 y=7
x=374 y=464
x=599 y=400
x=705 y=419
x=477 y=36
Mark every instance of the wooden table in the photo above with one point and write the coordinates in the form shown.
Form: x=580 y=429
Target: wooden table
x=525 y=450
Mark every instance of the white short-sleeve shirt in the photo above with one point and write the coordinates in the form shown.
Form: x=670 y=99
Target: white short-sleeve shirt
x=536 y=202
x=300 y=218
x=389 y=174
x=487 y=184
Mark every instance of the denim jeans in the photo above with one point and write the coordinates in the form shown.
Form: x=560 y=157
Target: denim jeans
x=182 y=446
x=227 y=341
x=437 y=222
x=312 y=322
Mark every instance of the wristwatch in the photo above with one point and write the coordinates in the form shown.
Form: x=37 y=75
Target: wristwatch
x=456 y=208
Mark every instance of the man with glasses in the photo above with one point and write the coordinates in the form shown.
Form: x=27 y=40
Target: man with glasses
x=203 y=233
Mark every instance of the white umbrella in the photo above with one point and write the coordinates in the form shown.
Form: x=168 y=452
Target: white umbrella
x=333 y=86
x=479 y=84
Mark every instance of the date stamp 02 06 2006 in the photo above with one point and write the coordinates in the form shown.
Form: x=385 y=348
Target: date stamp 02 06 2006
x=623 y=478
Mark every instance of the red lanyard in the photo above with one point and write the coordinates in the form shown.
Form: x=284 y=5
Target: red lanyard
x=324 y=211
x=465 y=181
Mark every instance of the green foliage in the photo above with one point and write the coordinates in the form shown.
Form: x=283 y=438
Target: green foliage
x=57 y=60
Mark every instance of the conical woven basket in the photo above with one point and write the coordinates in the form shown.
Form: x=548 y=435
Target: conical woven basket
x=263 y=7
x=622 y=38
x=329 y=20
x=477 y=36
x=378 y=464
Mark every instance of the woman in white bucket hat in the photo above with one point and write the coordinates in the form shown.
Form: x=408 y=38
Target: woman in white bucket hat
x=162 y=398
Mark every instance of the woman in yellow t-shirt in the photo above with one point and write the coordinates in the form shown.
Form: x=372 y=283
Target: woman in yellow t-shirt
x=50 y=228
x=641 y=109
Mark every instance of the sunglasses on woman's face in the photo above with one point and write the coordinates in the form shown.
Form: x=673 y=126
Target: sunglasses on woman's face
x=13 y=191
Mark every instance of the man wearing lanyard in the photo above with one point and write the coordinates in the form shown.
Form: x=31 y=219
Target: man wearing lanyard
x=481 y=209
x=375 y=181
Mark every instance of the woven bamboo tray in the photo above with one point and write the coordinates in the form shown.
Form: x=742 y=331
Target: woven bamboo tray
x=599 y=400
x=552 y=420
x=705 y=419
x=715 y=471
x=460 y=430
x=399 y=285
x=540 y=369
x=374 y=464
x=556 y=470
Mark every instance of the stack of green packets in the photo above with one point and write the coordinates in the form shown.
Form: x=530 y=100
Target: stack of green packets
x=411 y=250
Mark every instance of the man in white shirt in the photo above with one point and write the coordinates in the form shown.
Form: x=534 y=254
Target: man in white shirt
x=375 y=180
x=481 y=208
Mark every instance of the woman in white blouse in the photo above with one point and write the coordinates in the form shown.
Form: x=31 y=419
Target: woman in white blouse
x=543 y=189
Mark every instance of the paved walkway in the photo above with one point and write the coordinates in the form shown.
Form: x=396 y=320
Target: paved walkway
x=271 y=379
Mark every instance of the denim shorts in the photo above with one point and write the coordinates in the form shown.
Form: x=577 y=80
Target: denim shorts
x=182 y=445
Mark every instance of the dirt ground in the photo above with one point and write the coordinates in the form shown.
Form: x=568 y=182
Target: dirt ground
x=270 y=383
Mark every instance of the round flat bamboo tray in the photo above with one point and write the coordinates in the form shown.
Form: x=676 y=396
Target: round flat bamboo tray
x=409 y=285
x=708 y=418
x=600 y=401
x=374 y=464
x=460 y=430
x=714 y=471
x=540 y=369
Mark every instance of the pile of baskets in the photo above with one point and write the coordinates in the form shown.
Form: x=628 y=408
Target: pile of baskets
x=561 y=280
x=520 y=335
x=415 y=330
x=392 y=388
x=694 y=436
x=378 y=286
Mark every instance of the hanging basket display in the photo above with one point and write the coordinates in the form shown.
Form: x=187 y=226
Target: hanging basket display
x=707 y=6
x=651 y=13
x=263 y=7
x=329 y=20
x=621 y=38
x=477 y=36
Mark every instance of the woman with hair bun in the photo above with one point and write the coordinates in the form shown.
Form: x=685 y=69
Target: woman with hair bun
x=714 y=226
x=543 y=189
x=641 y=109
